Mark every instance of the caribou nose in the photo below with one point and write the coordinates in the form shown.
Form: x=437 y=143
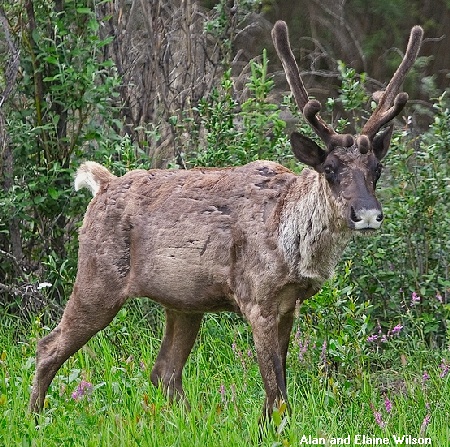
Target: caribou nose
x=366 y=219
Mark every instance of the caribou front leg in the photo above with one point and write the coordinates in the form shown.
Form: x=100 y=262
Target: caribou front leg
x=270 y=357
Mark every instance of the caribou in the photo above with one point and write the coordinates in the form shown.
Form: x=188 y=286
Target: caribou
x=255 y=239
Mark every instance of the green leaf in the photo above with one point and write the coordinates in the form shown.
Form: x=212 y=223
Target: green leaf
x=276 y=416
x=93 y=25
x=52 y=60
x=53 y=193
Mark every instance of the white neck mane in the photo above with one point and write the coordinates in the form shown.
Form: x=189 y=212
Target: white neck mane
x=312 y=234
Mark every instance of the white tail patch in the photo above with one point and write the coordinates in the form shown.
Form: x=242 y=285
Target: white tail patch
x=92 y=176
x=86 y=180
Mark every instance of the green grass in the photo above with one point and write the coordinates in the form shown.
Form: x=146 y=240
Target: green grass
x=223 y=386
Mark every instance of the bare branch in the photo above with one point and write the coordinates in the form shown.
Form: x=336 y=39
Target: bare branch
x=16 y=263
x=12 y=66
x=340 y=19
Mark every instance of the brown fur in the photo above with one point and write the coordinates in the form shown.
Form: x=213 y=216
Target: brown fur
x=200 y=241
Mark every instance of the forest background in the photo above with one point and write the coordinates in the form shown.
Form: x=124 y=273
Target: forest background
x=177 y=84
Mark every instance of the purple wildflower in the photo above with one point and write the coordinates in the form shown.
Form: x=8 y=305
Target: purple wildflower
x=379 y=419
x=415 y=299
x=388 y=405
x=372 y=338
x=384 y=339
x=425 y=377
x=439 y=297
x=83 y=389
x=445 y=368
x=323 y=354
x=425 y=423
x=303 y=347
x=239 y=354
x=397 y=329
x=233 y=392
x=222 y=393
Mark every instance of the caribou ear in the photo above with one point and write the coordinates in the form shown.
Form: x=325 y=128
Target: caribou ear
x=307 y=151
x=381 y=142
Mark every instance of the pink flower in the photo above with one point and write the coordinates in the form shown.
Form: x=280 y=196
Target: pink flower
x=397 y=329
x=415 y=299
x=83 y=389
x=379 y=419
x=388 y=405
x=303 y=348
x=445 y=368
x=425 y=423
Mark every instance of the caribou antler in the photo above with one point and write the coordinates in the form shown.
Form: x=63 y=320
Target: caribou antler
x=309 y=108
x=391 y=102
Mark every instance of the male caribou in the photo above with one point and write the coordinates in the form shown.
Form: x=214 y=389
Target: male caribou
x=254 y=239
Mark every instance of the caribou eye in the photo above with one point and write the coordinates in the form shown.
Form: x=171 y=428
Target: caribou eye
x=378 y=170
x=329 y=172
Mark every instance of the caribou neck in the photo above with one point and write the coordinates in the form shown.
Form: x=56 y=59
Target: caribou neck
x=312 y=235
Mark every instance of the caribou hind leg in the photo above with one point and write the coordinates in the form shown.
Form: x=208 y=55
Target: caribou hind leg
x=285 y=323
x=179 y=337
x=80 y=322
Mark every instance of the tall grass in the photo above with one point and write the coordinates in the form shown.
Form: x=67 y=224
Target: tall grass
x=102 y=396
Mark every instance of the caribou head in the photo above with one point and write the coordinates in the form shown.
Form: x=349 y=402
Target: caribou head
x=351 y=165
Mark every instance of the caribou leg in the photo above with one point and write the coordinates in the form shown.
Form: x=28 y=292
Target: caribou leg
x=270 y=358
x=285 y=323
x=179 y=337
x=80 y=322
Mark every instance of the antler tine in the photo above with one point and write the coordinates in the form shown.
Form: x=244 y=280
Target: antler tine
x=384 y=111
x=309 y=108
x=281 y=42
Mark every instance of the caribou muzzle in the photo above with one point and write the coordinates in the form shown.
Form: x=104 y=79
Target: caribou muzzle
x=365 y=213
x=366 y=219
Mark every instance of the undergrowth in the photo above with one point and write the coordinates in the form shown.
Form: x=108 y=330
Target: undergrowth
x=102 y=396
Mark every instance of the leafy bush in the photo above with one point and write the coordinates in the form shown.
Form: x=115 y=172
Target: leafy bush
x=409 y=257
x=238 y=134
x=61 y=114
